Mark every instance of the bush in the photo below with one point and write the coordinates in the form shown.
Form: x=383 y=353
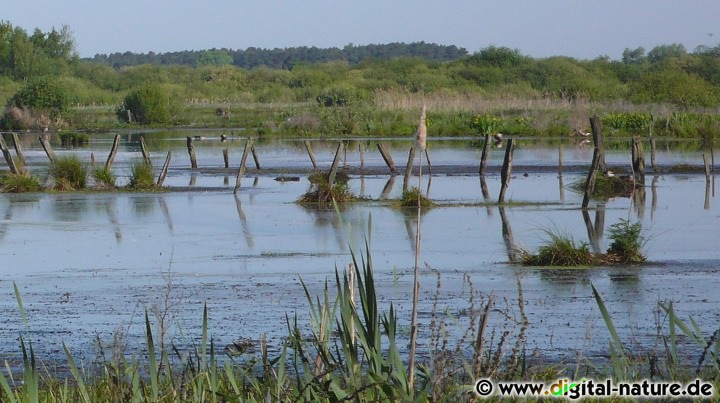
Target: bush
x=627 y=242
x=70 y=173
x=148 y=105
x=103 y=177
x=323 y=194
x=45 y=94
x=141 y=176
x=560 y=250
x=20 y=183
x=410 y=199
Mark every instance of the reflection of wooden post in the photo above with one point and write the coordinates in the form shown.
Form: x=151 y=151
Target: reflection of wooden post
x=164 y=171
x=652 y=145
x=144 y=150
x=243 y=161
x=18 y=149
x=387 y=158
x=388 y=187
x=483 y=158
x=46 y=146
x=362 y=155
x=560 y=160
x=8 y=156
x=311 y=154
x=113 y=151
x=592 y=235
x=92 y=160
x=255 y=156
x=408 y=168
x=427 y=158
x=226 y=158
x=191 y=152
x=506 y=170
x=336 y=161
x=507 y=233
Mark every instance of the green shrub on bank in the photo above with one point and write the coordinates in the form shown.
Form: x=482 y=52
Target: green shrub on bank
x=69 y=172
x=150 y=104
x=141 y=176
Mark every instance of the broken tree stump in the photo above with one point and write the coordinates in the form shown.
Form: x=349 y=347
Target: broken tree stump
x=144 y=150
x=113 y=151
x=8 y=156
x=311 y=154
x=18 y=149
x=191 y=152
x=483 y=157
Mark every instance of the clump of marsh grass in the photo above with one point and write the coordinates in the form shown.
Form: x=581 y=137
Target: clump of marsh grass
x=103 y=177
x=141 y=176
x=70 y=173
x=21 y=182
x=560 y=250
x=627 y=243
x=410 y=199
x=607 y=186
x=322 y=193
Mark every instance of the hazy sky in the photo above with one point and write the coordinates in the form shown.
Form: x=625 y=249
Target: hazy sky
x=583 y=29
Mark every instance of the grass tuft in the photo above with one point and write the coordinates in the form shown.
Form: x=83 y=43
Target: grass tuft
x=70 y=173
x=141 y=176
x=627 y=242
x=410 y=199
x=19 y=183
x=560 y=250
x=104 y=178
x=323 y=194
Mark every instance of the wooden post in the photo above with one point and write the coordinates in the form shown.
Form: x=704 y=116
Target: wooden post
x=191 y=152
x=334 y=166
x=408 y=169
x=226 y=158
x=92 y=160
x=144 y=150
x=164 y=171
x=638 y=160
x=483 y=158
x=8 y=156
x=243 y=161
x=362 y=155
x=427 y=158
x=387 y=158
x=707 y=168
x=311 y=154
x=18 y=149
x=596 y=127
x=560 y=160
x=113 y=151
x=506 y=171
x=46 y=146
x=255 y=156
x=590 y=182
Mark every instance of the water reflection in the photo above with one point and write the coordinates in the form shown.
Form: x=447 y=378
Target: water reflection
x=595 y=231
x=653 y=205
x=388 y=188
x=166 y=213
x=486 y=195
x=69 y=207
x=507 y=234
x=243 y=221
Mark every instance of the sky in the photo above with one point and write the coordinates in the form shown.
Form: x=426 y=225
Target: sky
x=582 y=29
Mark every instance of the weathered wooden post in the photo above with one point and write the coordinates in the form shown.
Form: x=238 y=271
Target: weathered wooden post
x=652 y=144
x=590 y=182
x=334 y=166
x=113 y=151
x=638 y=157
x=408 y=169
x=243 y=161
x=596 y=127
x=387 y=158
x=144 y=150
x=311 y=154
x=18 y=149
x=707 y=168
x=362 y=155
x=226 y=157
x=164 y=171
x=45 y=142
x=506 y=171
x=8 y=156
x=427 y=158
x=191 y=152
x=255 y=156
x=483 y=158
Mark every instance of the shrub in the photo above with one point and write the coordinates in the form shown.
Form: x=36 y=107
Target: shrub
x=560 y=250
x=410 y=199
x=70 y=173
x=485 y=124
x=20 y=183
x=44 y=94
x=323 y=194
x=103 y=177
x=148 y=105
x=627 y=242
x=141 y=176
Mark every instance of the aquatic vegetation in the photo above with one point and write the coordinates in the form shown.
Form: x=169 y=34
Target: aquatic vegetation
x=70 y=173
x=103 y=177
x=141 y=176
x=410 y=199
x=323 y=193
x=21 y=182
x=627 y=242
x=560 y=250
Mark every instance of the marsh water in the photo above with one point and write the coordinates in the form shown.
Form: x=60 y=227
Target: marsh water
x=88 y=265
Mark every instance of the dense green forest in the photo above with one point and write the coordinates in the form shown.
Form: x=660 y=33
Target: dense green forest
x=357 y=90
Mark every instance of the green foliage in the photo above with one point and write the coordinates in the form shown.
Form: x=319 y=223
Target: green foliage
x=70 y=173
x=73 y=139
x=141 y=176
x=486 y=124
x=19 y=183
x=410 y=199
x=627 y=242
x=103 y=177
x=322 y=194
x=560 y=250
x=44 y=94
x=214 y=57
x=150 y=104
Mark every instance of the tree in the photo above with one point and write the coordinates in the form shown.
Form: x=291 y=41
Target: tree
x=150 y=104
x=43 y=94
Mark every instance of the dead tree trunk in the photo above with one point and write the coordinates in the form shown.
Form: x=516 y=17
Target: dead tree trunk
x=113 y=151
x=8 y=156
